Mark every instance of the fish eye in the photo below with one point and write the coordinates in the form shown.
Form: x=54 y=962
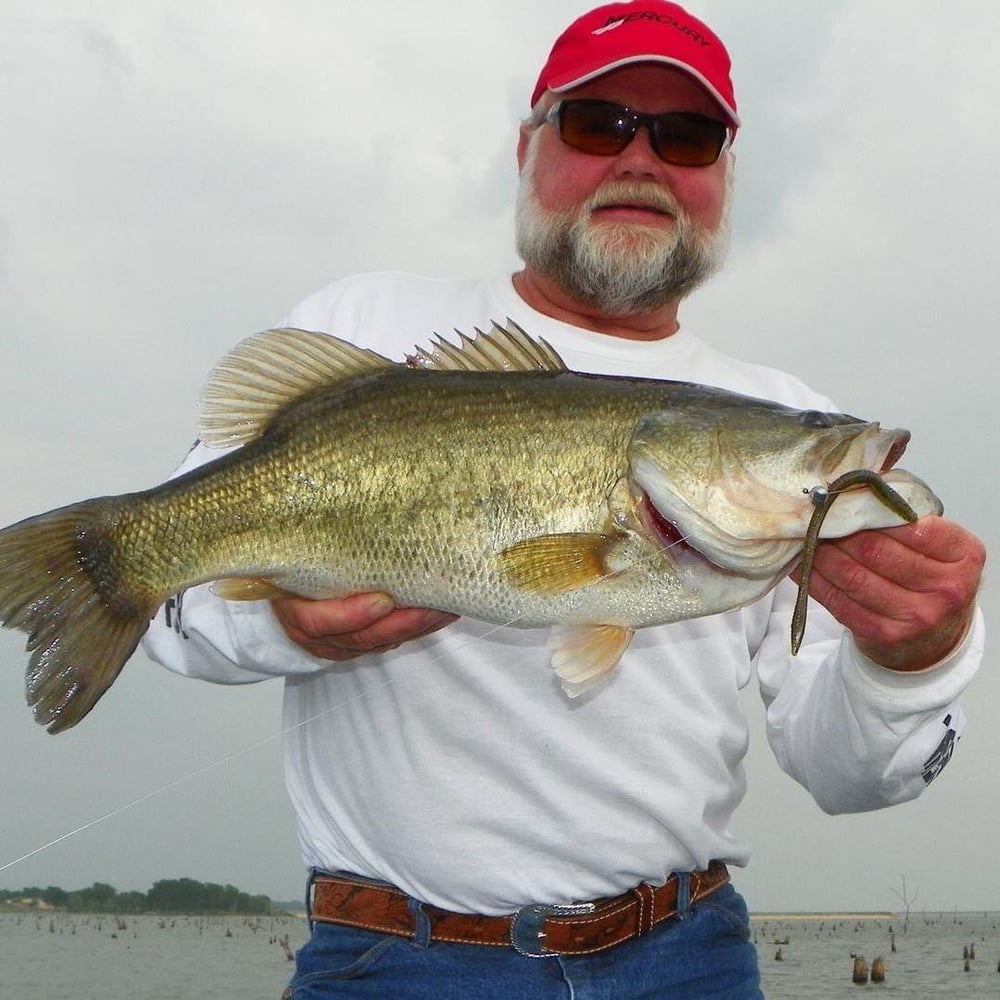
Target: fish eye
x=815 y=419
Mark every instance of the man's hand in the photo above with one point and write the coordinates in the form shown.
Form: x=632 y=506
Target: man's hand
x=343 y=628
x=906 y=594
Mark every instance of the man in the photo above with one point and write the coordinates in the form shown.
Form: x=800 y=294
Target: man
x=464 y=818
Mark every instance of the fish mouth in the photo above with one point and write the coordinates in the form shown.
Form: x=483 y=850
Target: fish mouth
x=661 y=527
x=757 y=558
x=871 y=448
x=896 y=449
x=686 y=535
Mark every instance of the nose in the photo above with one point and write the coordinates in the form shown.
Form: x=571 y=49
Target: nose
x=638 y=157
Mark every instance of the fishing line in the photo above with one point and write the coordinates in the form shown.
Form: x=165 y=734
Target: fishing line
x=198 y=772
x=135 y=802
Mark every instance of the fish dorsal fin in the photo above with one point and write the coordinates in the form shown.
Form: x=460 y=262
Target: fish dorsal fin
x=269 y=370
x=502 y=349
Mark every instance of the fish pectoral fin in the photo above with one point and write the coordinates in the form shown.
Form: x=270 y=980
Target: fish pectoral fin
x=582 y=655
x=254 y=588
x=555 y=564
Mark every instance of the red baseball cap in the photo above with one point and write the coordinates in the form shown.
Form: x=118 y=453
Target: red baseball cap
x=618 y=34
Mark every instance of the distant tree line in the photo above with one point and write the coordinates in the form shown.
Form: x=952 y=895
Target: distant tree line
x=179 y=895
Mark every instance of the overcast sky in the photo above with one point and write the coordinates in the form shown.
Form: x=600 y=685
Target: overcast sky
x=176 y=174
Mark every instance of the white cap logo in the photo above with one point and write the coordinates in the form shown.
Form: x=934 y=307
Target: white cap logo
x=609 y=27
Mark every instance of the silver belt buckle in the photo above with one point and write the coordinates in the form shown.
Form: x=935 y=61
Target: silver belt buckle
x=526 y=933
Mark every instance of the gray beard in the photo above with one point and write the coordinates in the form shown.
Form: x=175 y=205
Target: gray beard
x=618 y=269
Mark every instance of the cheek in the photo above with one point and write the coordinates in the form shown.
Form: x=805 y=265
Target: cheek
x=566 y=186
x=703 y=194
x=561 y=178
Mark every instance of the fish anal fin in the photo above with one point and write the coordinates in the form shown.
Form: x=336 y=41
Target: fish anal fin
x=582 y=655
x=556 y=564
x=253 y=588
x=266 y=372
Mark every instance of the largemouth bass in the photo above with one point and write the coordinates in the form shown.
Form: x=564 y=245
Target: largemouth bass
x=482 y=478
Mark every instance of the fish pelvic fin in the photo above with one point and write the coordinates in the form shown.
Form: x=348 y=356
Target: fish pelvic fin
x=269 y=370
x=502 y=349
x=583 y=655
x=58 y=583
x=555 y=564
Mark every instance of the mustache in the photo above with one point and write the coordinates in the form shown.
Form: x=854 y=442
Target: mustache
x=633 y=193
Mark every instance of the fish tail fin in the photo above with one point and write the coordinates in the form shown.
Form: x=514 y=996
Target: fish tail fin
x=59 y=583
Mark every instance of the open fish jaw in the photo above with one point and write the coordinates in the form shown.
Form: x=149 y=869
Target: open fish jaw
x=749 y=511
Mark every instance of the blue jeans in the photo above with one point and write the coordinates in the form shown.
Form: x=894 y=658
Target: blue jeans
x=702 y=954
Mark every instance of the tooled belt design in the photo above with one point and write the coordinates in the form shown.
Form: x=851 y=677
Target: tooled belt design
x=537 y=930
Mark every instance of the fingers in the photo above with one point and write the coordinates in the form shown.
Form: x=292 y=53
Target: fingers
x=343 y=628
x=907 y=594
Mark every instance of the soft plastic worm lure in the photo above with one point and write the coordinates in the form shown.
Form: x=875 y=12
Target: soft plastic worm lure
x=823 y=498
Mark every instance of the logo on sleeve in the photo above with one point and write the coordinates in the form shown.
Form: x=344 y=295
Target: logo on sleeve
x=938 y=760
x=172 y=614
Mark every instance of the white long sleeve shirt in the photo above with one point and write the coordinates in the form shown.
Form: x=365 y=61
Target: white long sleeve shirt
x=456 y=768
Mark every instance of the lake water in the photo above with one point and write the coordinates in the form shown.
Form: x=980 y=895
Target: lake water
x=79 y=957
x=816 y=962
x=84 y=957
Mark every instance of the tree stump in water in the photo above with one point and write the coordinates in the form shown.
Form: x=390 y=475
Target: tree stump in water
x=860 y=970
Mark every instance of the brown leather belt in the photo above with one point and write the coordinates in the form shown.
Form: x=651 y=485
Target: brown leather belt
x=537 y=930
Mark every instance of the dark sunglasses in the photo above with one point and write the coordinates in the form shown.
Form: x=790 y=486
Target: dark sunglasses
x=603 y=128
